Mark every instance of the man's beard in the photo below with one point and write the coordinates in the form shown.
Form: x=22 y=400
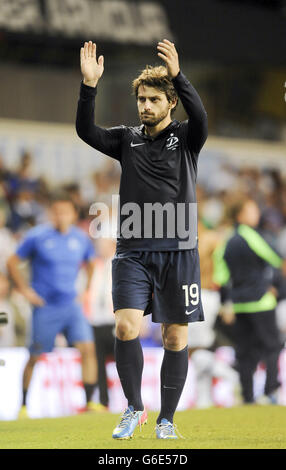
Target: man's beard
x=150 y=120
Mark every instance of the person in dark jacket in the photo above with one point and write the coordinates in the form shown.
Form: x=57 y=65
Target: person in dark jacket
x=246 y=268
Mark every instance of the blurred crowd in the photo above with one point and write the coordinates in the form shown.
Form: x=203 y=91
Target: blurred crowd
x=24 y=203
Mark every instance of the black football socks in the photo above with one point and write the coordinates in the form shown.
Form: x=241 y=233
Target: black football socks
x=24 y=399
x=174 y=371
x=129 y=363
x=89 y=389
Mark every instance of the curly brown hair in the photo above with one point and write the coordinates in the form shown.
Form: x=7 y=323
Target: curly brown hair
x=156 y=77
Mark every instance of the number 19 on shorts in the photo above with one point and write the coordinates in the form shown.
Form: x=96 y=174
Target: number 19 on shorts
x=191 y=294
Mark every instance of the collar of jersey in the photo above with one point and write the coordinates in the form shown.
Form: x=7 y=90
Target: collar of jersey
x=160 y=135
x=56 y=231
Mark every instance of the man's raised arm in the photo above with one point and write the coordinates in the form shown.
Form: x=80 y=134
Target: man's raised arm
x=197 y=124
x=107 y=141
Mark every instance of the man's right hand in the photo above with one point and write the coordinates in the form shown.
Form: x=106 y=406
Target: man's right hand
x=91 y=69
x=32 y=296
x=227 y=313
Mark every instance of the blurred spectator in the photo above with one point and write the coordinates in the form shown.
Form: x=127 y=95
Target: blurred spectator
x=26 y=211
x=5 y=176
x=73 y=189
x=7 y=240
x=99 y=308
x=22 y=317
x=7 y=332
x=15 y=332
x=27 y=195
x=281 y=241
x=202 y=338
x=106 y=181
x=245 y=269
x=23 y=179
x=150 y=333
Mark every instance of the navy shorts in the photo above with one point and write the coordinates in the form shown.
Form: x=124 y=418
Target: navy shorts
x=50 y=320
x=164 y=283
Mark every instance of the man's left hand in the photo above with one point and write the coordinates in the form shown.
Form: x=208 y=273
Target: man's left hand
x=170 y=56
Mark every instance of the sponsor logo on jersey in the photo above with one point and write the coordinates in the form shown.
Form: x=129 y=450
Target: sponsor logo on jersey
x=73 y=244
x=136 y=145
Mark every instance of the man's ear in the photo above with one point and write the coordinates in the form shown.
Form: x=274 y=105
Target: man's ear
x=173 y=104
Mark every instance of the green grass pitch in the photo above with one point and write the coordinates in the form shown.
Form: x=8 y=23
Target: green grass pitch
x=243 y=427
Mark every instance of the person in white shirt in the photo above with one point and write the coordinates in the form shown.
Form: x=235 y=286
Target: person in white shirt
x=99 y=308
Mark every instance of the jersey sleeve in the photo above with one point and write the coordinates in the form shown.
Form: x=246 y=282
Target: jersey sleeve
x=260 y=246
x=221 y=273
x=107 y=141
x=26 y=248
x=197 y=123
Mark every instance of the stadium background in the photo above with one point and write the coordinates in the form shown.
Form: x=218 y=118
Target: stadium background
x=233 y=52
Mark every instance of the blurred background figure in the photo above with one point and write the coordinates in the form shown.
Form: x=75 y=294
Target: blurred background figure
x=99 y=308
x=56 y=252
x=8 y=331
x=7 y=240
x=202 y=339
x=14 y=333
x=246 y=269
x=27 y=195
x=24 y=177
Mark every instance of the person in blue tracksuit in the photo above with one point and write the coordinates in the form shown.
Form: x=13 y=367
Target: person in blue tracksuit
x=56 y=252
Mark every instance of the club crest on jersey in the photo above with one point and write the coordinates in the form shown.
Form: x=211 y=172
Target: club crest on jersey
x=172 y=142
x=73 y=244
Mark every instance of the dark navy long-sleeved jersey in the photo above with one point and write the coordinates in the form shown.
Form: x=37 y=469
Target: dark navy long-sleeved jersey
x=160 y=170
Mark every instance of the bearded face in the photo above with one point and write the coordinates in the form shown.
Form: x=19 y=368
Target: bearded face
x=153 y=106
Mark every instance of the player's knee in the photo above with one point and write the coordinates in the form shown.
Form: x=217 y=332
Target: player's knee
x=174 y=338
x=32 y=360
x=172 y=342
x=125 y=330
x=86 y=349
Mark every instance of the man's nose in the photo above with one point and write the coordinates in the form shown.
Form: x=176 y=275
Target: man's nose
x=147 y=105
